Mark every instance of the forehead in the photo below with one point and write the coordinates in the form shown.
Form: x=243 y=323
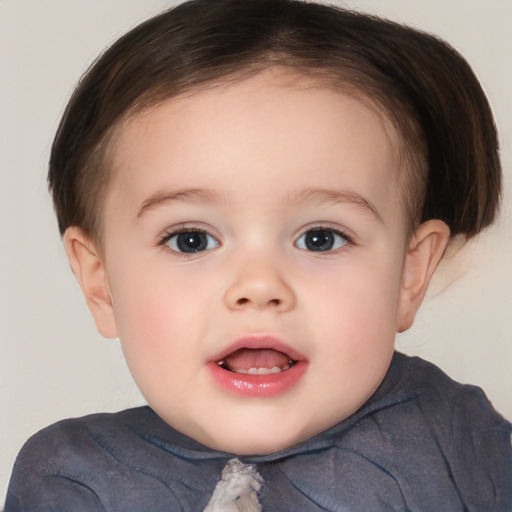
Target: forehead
x=273 y=126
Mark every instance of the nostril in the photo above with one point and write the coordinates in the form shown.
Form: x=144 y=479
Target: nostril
x=244 y=301
x=259 y=293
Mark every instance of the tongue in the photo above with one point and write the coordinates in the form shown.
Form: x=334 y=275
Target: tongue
x=247 y=358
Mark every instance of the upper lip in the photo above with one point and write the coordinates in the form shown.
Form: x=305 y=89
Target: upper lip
x=260 y=341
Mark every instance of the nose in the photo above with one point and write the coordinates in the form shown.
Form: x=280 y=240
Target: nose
x=259 y=285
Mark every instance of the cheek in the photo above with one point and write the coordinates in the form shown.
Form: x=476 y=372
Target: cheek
x=142 y=309
x=355 y=313
x=151 y=310
x=163 y=315
x=157 y=338
x=363 y=289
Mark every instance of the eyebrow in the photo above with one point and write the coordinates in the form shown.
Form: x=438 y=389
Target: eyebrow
x=313 y=196
x=162 y=197
x=334 y=197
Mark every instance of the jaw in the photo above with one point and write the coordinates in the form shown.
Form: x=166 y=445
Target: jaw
x=256 y=427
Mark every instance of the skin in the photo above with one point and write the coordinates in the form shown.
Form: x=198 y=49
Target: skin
x=265 y=155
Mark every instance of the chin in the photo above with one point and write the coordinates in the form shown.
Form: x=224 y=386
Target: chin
x=257 y=447
x=258 y=442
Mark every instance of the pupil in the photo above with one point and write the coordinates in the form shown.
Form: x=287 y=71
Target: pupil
x=193 y=241
x=319 y=240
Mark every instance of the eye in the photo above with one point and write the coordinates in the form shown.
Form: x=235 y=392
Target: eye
x=321 y=240
x=190 y=241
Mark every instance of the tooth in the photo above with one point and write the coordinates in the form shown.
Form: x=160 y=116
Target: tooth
x=264 y=371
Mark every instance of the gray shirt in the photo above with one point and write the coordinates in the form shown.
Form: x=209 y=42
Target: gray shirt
x=421 y=443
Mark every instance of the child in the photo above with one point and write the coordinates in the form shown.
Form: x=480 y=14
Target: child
x=253 y=196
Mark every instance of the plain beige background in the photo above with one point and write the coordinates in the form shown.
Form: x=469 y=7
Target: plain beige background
x=54 y=365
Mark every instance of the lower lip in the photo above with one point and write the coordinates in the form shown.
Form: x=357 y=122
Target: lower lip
x=258 y=386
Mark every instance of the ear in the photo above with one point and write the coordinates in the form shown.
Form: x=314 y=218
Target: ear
x=424 y=252
x=89 y=269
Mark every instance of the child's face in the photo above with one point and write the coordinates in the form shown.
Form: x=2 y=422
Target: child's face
x=291 y=200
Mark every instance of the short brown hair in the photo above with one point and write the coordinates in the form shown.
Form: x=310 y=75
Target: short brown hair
x=422 y=85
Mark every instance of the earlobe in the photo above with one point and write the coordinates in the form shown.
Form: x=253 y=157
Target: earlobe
x=89 y=270
x=424 y=252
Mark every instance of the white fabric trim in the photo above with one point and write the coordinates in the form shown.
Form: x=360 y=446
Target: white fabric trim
x=238 y=489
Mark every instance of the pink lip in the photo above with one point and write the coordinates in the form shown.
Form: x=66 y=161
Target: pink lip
x=258 y=385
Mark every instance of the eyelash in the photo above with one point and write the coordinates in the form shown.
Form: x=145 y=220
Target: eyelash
x=168 y=236
x=346 y=240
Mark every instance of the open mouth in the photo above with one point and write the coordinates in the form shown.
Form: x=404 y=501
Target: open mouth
x=256 y=361
x=258 y=366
